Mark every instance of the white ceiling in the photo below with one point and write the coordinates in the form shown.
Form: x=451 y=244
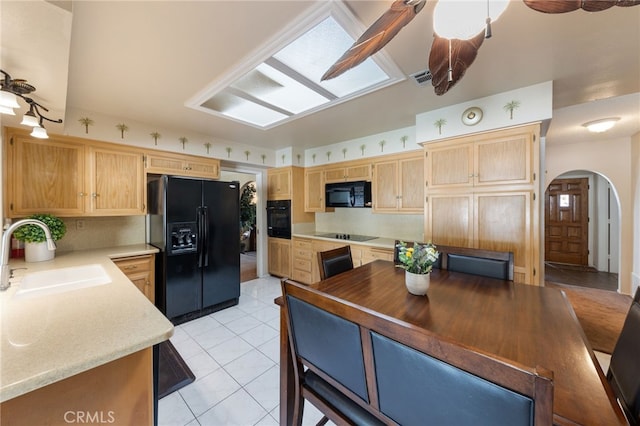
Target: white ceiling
x=143 y=60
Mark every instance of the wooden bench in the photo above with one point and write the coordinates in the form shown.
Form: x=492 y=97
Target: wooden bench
x=488 y=263
x=364 y=368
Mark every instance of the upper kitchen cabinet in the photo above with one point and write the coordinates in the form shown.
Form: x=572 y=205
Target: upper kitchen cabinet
x=288 y=183
x=279 y=182
x=398 y=184
x=314 y=190
x=182 y=165
x=43 y=176
x=116 y=179
x=71 y=177
x=495 y=158
x=348 y=172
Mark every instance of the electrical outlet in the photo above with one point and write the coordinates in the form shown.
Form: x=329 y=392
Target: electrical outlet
x=79 y=225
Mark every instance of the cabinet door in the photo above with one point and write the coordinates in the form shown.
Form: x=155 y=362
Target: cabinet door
x=163 y=164
x=48 y=175
x=140 y=270
x=361 y=172
x=450 y=166
x=314 y=191
x=279 y=185
x=504 y=160
x=449 y=220
x=348 y=173
x=206 y=168
x=116 y=181
x=503 y=223
x=411 y=185
x=279 y=257
x=384 y=186
x=338 y=174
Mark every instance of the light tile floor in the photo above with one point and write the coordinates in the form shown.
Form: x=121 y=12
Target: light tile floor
x=234 y=354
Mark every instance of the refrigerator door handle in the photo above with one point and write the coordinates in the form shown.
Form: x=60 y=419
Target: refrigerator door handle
x=199 y=246
x=205 y=235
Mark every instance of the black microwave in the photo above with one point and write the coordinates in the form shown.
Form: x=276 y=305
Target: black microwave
x=348 y=194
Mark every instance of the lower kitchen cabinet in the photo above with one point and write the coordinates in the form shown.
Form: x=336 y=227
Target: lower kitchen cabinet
x=303 y=259
x=119 y=392
x=279 y=257
x=305 y=267
x=140 y=270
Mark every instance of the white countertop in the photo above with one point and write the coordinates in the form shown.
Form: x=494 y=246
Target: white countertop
x=51 y=337
x=384 y=243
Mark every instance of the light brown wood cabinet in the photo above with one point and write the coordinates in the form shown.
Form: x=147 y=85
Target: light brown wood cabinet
x=116 y=182
x=118 y=392
x=182 y=165
x=69 y=177
x=303 y=260
x=279 y=183
x=141 y=271
x=306 y=268
x=481 y=193
x=279 y=257
x=44 y=175
x=398 y=184
x=496 y=158
x=314 y=190
x=348 y=173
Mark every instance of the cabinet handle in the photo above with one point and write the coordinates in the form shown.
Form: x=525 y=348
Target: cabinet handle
x=95 y=195
x=130 y=267
x=82 y=194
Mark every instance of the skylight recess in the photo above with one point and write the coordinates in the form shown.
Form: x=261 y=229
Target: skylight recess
x=286 y=84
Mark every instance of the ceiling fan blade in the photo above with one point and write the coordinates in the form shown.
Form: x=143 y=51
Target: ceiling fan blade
x=376 y=36
x=563 y=6
x=463 y=53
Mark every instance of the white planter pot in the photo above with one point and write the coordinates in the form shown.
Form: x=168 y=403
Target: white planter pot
x=37 y=252
x=417 y=284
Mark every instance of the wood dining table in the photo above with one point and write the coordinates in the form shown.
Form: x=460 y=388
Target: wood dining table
x=531 y=325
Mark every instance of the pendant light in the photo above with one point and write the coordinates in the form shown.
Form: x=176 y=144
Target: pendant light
x=462 y=20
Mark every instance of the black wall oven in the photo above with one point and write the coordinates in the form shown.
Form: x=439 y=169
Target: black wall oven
x=279 y=218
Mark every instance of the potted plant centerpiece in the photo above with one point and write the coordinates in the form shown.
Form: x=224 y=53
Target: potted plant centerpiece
x=35 y=247
x=417 y=261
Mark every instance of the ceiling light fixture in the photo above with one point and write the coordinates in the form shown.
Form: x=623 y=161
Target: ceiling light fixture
x=453 y=21
x=599 y=126
x=12 y=89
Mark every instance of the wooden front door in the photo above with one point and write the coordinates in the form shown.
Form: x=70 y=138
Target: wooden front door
x=566 y=221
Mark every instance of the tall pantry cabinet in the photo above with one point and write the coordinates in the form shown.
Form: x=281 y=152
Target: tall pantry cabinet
x=482 y=192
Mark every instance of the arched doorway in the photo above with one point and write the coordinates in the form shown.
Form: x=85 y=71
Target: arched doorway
x=582 y=231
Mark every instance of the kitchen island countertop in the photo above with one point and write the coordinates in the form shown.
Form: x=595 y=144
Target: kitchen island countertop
x=50 y=337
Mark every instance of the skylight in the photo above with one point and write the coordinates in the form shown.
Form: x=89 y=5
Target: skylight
x=286 y=84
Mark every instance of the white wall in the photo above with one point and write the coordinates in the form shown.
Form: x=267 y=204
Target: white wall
x=611 y=159
x=635 y=188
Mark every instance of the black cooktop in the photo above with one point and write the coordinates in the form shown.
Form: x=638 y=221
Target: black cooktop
x=350 y=237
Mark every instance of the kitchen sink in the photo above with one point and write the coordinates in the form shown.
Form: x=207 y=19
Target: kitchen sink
x=60 y=280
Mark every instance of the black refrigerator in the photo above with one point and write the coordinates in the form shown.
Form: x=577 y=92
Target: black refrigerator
x=195 y=224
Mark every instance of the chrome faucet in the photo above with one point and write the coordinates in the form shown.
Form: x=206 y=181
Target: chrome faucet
x=4 y=250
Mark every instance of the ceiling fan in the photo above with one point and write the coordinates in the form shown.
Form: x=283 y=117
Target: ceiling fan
x=449 y=57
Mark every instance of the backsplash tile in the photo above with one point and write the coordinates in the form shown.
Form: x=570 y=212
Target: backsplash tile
x=408 y=227
x=101 y=232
